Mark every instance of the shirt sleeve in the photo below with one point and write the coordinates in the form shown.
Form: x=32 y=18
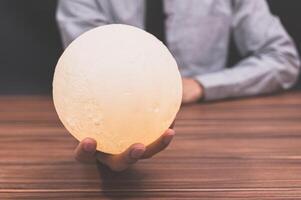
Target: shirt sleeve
x=75 y=17
x=271 y=60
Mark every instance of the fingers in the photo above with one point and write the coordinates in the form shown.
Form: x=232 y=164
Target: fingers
x=159 y=144
x=85 y=151
x=122 y=161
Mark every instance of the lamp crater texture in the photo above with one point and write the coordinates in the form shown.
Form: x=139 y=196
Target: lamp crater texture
x=119 y=85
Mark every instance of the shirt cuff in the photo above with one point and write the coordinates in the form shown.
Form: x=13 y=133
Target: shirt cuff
x=214 y=86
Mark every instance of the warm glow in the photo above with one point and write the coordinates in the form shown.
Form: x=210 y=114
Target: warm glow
x=119 y=85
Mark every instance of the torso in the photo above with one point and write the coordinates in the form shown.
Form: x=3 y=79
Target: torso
x=197 y=31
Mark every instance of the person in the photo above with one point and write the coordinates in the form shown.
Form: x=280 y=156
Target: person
x=197 y=34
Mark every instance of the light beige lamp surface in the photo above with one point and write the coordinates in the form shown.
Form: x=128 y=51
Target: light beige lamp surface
x=119 y=85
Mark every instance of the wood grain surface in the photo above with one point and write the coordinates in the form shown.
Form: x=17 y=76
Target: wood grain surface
x=238 y=149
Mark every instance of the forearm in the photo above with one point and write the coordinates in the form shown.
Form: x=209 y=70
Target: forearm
x=253 y=76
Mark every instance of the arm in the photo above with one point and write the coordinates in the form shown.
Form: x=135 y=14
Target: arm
x=75 y=17
x=271 y=61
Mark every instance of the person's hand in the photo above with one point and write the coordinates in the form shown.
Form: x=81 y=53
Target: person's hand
x=86 y=152
x=192 y=91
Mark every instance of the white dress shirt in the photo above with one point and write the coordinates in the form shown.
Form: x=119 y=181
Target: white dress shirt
x=197 y=33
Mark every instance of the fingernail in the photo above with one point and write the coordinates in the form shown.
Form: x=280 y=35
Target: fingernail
x=89 y=147
x=167 y=139
x=137 y=153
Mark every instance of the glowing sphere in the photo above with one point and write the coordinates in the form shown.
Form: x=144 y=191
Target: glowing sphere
x=119 y=85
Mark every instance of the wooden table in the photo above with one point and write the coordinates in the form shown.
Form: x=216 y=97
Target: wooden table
x=223 y=150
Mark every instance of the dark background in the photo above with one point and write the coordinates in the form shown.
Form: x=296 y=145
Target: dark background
x=30 y=44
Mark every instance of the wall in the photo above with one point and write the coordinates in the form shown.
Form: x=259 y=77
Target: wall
x=29 y=45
